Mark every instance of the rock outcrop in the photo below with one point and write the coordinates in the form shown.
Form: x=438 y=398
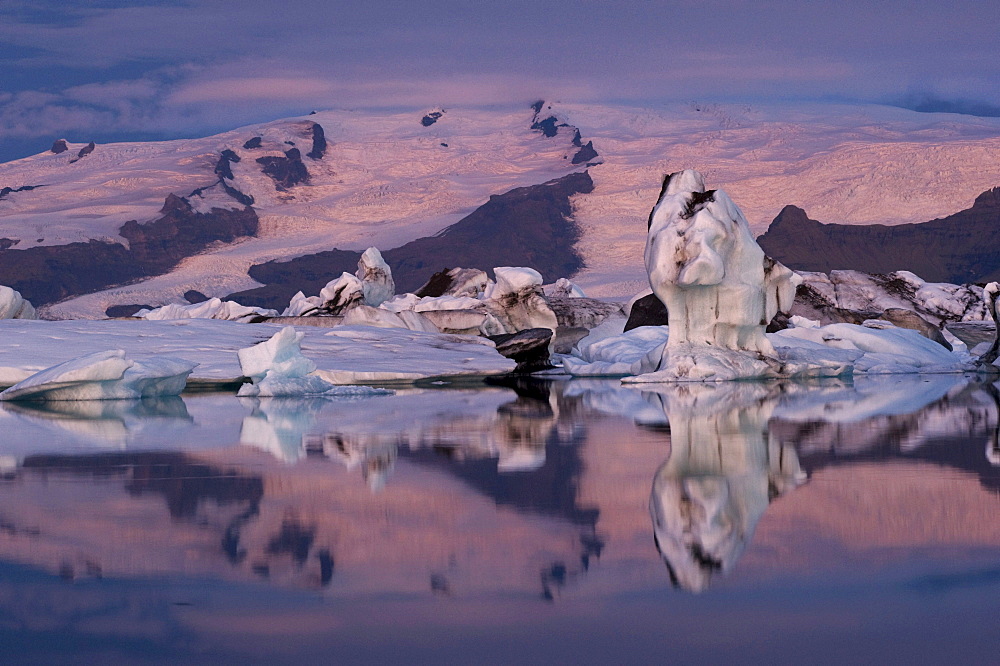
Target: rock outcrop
x=318 y=142
x=286 y=171
x=45 y=274
x=431 y=117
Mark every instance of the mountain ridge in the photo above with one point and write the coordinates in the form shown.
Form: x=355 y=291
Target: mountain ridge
x=387 y=178
x=959 y=248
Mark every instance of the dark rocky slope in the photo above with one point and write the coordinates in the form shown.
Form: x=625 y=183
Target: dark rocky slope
x=528 y=226
x=960 y=248
x=51 y=273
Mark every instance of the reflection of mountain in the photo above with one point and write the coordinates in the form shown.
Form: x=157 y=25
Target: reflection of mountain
x=469 y=457
x=184 y=483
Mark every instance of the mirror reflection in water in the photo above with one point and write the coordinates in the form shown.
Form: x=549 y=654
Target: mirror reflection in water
x=505 y=500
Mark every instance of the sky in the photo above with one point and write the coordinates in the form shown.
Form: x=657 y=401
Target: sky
x=108 y=70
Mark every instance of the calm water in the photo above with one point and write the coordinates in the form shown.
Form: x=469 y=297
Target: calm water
x=572 y=521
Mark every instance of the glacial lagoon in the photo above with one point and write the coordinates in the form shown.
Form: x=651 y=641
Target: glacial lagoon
x=535 y=521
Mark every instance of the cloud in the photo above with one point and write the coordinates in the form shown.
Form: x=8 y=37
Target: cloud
x=182 y=67
x=926 y=102
x=250 y=89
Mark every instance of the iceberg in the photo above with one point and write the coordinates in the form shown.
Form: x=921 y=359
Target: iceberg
x=213 y=308
x=377 y=284
x=14 y=306
x=720 y=291
x=105 y=375
x=340 y=295
x=371 y=285
x=516 y=300
x=276 y=367
x=364 y=315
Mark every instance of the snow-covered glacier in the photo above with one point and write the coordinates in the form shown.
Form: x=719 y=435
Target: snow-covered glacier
x=281 y=190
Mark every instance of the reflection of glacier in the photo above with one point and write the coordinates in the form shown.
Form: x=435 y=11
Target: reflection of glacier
x=722 y=473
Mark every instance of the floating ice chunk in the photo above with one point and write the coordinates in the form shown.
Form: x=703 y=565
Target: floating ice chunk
x=469 y=282
x=511 y=280
x=376 y=278
x=301 y=304
x=703 y=363
x=620 y=354
x=105 y=375
x=427 y=303
x=887 y=350
x=15 y=306
x=641 y=351
x=456 y=282
x=213 y=308
x=516 y=300
x=937 y=302
x=364 y=315
x=563 y=288
x=802 y=322
x=989 y=354
x=341 y=295
x=279 y=355
x=276 y=367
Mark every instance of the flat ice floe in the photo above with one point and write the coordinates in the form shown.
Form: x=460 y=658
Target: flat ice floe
x=857 y=349
x=343 y=355
x=104 y=375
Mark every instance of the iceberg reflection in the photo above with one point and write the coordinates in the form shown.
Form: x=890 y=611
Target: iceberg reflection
x=107 y=422
x=487 y=425
x=722 y=473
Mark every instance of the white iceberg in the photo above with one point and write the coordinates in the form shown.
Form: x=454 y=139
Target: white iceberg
x=937 y=302
x=341 y=294
x=516 y=300
x=276 y=367
x=364 y=315
x=376 y=278
x=878 y=347
x=15 y=306
x=105 y=375
x=563 y=288
x=213 y=308
x=371 y=285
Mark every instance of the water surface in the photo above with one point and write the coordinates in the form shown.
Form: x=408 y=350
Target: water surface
x=534 y=522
